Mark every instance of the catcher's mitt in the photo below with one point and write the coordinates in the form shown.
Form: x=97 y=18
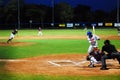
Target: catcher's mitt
x=87 y=58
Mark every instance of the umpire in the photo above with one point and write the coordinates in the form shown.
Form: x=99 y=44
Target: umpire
x=112 y=53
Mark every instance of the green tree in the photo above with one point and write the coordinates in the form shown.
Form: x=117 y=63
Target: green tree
x=113 y=15
x=1 y=2
x=100 y=16
x=11 y=11
x=36 y=13
x=63 y=12
x=82 y=13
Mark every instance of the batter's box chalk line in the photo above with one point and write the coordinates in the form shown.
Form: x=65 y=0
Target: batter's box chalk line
x=66 y=63
x=11 y=60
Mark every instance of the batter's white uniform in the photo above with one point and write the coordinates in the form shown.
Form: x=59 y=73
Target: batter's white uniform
x=93 y=42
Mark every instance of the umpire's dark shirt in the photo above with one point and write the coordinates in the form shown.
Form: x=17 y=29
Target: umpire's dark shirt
x=109 y=48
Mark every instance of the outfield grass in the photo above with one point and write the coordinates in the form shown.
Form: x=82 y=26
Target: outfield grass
x=48 y=47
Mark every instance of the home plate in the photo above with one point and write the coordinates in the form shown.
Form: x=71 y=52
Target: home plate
x=66 y=63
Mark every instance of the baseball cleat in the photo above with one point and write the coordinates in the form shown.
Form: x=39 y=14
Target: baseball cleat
x=103 y=68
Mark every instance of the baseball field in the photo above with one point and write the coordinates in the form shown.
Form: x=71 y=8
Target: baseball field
x=59 y=54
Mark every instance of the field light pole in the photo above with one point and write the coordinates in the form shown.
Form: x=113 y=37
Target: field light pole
x=53 y=13
x=18 y=14
x=118 y=10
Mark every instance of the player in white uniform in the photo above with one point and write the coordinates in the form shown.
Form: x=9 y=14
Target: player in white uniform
x=40 y=32
x=92 y=39
x=118 y=31
x=13 y=33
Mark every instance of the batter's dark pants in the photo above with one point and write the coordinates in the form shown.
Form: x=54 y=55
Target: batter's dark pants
x=109 y=56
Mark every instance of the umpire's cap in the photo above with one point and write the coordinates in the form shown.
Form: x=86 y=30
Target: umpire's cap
x=107 y=42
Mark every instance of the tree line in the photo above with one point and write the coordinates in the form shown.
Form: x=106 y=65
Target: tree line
x=42 y=14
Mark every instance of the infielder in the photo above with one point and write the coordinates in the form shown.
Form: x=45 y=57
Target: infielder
x=118 y=31
x=94 y=57
x=92 y=39
x=40 y=31
x=12 y=35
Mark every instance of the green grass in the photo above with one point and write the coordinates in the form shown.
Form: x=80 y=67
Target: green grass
x=44 y=47
x=51 y=46
x=48 y=47
x=54 y=32
x=12 y=76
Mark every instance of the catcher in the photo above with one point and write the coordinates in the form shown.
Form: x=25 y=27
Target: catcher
x=12 y=35
x=94 y=57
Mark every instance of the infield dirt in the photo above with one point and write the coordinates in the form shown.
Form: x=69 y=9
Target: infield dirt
x=40 y=65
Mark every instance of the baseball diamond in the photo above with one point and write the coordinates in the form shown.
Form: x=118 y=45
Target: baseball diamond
x=70 y=63
x=59 y=40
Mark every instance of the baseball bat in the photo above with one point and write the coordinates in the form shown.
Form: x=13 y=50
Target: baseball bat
x=93 y=29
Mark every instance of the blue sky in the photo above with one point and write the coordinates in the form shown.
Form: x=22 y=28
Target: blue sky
x=106 y=5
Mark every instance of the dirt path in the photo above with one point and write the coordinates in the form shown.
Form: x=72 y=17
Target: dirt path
x=74 y=64
x=111 y=37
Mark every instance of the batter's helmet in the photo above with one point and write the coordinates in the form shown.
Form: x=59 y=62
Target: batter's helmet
x=89 y=33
